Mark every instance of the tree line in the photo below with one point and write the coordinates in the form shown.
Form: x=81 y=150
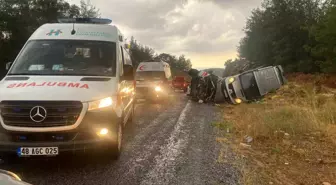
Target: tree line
x=20 y=18
x=300 y=35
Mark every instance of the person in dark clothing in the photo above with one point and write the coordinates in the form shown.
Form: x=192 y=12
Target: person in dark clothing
x=194 y=82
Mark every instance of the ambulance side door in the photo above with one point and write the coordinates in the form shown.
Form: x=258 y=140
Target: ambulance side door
x=127 y=90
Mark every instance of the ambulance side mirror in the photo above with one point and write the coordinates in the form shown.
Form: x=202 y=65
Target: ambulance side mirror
x=8 y=65
x=128 y=72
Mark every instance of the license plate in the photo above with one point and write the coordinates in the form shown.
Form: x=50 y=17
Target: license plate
x=38 y=151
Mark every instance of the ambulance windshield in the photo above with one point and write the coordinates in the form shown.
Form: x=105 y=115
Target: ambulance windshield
x=66 y=57
x=150 y=75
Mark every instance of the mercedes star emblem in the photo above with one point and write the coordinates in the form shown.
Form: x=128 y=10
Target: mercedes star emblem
x=38 y=114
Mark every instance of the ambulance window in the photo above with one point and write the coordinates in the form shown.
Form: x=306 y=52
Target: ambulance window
x=121 y=61
x=127 y=58
x=168 y=73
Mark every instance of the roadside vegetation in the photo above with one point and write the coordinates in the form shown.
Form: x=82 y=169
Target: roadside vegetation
x=289 y=137
x=300 y=35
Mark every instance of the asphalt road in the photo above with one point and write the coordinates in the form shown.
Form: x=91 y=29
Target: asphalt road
x=173 y=143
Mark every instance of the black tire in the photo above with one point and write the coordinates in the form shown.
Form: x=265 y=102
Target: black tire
x=115 y=145
x=131 y=117
x=7 y=158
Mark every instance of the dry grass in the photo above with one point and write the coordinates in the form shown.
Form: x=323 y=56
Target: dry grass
x=294 y=136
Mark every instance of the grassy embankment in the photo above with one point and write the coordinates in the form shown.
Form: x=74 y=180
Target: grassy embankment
x=293 y=133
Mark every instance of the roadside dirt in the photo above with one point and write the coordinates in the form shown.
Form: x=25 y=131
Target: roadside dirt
x=289 y=137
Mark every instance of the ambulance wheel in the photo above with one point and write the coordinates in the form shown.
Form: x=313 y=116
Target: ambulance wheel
x=115 y=145
x=131 y=117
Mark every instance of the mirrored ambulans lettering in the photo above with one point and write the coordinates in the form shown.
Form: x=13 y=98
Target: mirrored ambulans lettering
x=11 y=86
x=49 y=84
x=42 y=84
x=62 y=84
x=32 y=84
x=84 y=86
x=21 y=85
x=74 y=85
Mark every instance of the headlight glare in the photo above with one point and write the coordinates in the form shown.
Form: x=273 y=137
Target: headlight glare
x=106 y=102
x=231 y=80
x=103 y=132
x=237 y=100
x=158 y=88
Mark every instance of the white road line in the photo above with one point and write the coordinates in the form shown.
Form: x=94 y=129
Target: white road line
x=165 y=162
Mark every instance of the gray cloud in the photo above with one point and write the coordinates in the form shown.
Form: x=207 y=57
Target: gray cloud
x=138 y=14
x=244 y=6
x=181 y=26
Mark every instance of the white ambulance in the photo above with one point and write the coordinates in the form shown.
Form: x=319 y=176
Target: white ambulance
x=153 y=80
x=71 y=88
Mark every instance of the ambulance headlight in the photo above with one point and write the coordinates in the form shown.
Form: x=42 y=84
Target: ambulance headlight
x=157 y=89
x=103 y=132
x=103 y=103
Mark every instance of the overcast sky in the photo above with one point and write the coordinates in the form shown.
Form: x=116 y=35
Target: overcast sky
x=206 y=31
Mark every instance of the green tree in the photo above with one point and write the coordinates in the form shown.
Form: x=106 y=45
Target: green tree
x=233 y=67
x=74 y=11
x=87 y=10
x=140 y=53
x=177 y=64
x=278 y=33
x=20 y=18
x=183 y=63
x=325 y=35
x=170 y=59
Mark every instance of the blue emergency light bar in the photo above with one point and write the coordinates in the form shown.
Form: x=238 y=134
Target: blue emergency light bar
x=85 y=20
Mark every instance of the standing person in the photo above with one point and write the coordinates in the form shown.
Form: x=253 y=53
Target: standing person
x=194 y=82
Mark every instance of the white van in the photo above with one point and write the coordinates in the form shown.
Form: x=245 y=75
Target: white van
x=71 y=88
x=153 y=80
x=253 y=84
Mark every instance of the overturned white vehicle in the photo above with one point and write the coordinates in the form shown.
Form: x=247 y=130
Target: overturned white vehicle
x=247 y=86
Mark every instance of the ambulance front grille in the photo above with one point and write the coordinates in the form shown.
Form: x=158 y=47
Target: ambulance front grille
x=50 y=113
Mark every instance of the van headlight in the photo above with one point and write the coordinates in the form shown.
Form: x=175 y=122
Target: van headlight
x=237 y=100
x=231 y=80
x=99 y=104
x=157 y=89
